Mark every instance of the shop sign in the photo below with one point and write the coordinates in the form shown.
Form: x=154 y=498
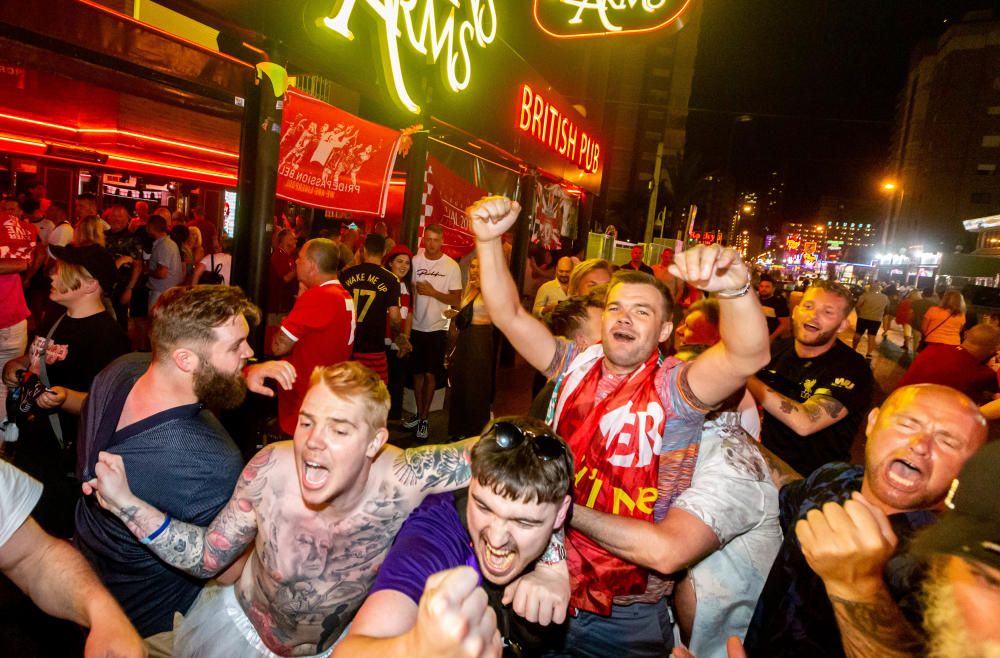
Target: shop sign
x=416 y=25
x=329 y=158
x=572 y=19
x=552 y=127
x=446 y=196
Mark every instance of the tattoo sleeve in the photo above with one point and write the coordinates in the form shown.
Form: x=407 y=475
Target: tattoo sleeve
x=781 y=472
x=440 y=467
x=204 y=552
x=875 y=629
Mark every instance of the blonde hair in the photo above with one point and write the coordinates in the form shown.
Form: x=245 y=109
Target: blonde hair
x=354 y=380
x=70 y=277
x=584 y=268
x=194 y=238
x=90 y=230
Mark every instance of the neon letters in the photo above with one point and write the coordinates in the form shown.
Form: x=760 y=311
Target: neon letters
x=568 y=19
x=550 y=126
x=416 y=23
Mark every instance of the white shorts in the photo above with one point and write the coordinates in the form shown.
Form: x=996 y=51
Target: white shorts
x=217 y=627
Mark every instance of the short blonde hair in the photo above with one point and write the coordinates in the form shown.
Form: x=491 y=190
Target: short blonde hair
x=583 y=269
x=90 y=230
x=71 y=277
x=352 y=379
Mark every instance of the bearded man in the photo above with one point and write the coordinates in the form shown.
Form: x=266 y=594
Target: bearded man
x=154 y=413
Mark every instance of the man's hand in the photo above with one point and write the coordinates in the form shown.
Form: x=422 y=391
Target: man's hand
x=734 y=649
x=711 y=268
x=848 y=547
x=256 y=375
x=52 y=398
x=454 y=619
x=112 y=636
x=424 y=288
x=541 y=596
x=492 y=216
x=110 y=484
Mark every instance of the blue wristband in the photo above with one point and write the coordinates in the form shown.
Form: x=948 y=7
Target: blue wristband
x=156 y=533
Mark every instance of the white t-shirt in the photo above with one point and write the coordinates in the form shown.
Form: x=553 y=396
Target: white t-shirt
x=444 y=275
x=226 y=260
x=19 y=492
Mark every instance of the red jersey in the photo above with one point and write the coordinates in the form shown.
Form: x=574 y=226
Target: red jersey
x=322 y=325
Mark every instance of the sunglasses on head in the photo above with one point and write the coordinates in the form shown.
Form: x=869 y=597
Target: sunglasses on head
x=510 y=435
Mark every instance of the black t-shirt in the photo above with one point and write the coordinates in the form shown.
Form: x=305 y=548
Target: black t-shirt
x=840 y=373
x=775 y=307
x=375 y=289
x=642 y=267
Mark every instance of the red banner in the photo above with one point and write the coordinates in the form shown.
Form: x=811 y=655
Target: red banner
x=331 y=159
x=446 y=196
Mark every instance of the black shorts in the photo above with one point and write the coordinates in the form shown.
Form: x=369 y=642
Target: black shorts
x=428 y=351
x=869 y=327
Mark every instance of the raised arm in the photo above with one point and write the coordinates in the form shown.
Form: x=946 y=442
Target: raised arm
x=490 y=217
x=201 y=552
x=803 y=418
x=848 y=547
x=745 y=345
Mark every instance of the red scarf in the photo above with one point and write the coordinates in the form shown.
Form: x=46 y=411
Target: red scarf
x=615 y=445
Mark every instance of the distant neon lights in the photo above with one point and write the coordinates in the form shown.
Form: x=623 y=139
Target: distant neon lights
x=571 y=19
x=552 y=127
x=415 y=24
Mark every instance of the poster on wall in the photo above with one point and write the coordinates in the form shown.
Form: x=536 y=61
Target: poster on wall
x=556 y=212
x=446 y=196
x=331 y=159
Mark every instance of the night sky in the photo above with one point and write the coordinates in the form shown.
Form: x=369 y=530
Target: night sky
x=821 y=79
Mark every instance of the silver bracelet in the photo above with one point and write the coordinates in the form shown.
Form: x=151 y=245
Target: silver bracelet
x=733 y=294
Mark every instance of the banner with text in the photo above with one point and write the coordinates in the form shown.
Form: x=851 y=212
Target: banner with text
x=446 y=196
x=331 y=159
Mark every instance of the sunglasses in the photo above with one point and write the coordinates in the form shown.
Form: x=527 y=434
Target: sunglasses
x=509 y=435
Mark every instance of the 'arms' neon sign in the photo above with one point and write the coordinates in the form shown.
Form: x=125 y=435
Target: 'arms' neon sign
x=570 y=19
x=547 y=124
x=449 y=41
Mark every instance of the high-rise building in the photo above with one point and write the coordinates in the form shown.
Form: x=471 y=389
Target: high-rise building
x=947 y=143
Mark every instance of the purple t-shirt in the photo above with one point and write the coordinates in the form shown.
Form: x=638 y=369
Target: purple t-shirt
x=431 y=540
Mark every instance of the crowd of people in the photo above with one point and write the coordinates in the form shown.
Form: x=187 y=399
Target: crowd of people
x=681 y=484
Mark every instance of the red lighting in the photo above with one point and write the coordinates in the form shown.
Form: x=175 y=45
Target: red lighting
x=125 y=133
x=555 y=129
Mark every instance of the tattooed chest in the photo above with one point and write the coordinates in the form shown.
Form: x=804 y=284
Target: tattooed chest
x=307 y=569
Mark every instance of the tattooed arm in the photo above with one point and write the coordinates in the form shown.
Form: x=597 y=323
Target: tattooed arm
x=804 y=418
x=781 y=472
x=201 y=552
x=848 y=547
x=435 y=468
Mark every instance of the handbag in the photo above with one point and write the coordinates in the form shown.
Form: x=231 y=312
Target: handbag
x=212 y=276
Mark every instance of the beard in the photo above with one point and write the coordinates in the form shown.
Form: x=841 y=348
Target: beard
x=944 y=625
x=217 y=390
x=821 y=338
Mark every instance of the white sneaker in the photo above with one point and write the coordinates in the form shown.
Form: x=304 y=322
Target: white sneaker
x=410 y=423
x=422 y=431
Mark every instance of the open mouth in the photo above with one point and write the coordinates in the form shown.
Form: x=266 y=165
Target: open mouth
x=498 y=561
x=903 y=474
x=810 y=326
x=314 y=475
x=623 y=336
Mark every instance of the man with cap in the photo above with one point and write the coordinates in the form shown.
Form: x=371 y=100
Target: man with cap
x=845 y=573
x=62 y=361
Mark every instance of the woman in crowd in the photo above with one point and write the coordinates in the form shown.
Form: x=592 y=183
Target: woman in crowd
x=90 y=230
x=943 y=323
x=399 y=261
x=180 y=234
x=472 y=362
x=196 y=245
x=215 y=261
x=904 y=317
x=587 y=275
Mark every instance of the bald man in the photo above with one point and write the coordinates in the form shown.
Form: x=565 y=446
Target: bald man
x=828 y=571
x=962 y=367
x=552 y=292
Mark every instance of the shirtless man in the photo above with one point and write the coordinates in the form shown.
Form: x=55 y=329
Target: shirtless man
x=321 y=511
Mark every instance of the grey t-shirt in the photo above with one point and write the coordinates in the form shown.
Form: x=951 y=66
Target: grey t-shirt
x=871 y=306
x=166 y=252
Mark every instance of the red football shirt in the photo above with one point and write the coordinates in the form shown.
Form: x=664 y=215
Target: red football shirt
x=322 y=325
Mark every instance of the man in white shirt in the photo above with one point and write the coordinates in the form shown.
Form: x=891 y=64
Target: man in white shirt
x=437 y=280
x=552 y=292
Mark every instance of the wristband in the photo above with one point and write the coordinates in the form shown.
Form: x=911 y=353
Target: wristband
x=734 y=294
x=556 y=551
x=156 y=533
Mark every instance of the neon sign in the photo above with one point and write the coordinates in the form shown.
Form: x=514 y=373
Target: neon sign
x=415 y=24
x=550 y=126
x=572 y=19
